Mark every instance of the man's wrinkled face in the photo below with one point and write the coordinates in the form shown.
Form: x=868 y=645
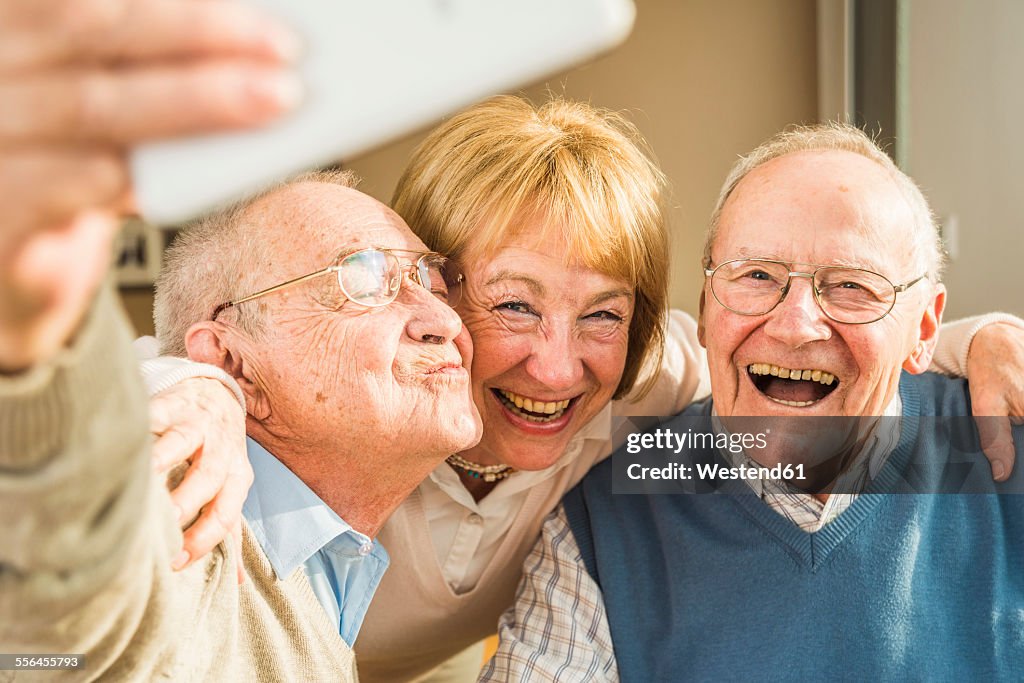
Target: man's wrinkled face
x=336 y=374
x=825 y=208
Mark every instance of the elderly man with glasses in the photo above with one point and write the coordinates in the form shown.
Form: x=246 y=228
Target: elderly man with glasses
x=354 y=368
x=820 y=310
x=352 y=362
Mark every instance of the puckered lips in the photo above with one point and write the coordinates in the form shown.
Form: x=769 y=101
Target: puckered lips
x=794 y=387
x=449 y=368
x=442 y=366
x=535 y=414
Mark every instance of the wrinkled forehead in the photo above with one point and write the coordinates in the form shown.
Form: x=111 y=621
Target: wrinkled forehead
x=371 y=233
x=320 y=220
x=835 y=207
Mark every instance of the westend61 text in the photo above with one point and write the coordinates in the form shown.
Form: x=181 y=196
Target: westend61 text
x=666 y=439
x=713 y=471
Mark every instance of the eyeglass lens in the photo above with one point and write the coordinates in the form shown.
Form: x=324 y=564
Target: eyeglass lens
x=848 y=295
x=373 y=277
x=439 y=277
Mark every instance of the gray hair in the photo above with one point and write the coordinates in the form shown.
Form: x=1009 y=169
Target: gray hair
x=215 y=259
x=842 y=137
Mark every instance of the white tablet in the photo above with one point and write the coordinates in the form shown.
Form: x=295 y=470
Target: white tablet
x=375 y=70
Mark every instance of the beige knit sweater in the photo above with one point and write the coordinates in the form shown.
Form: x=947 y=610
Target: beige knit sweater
x=87 y=535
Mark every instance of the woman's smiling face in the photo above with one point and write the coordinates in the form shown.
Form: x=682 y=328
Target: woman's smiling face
x=550 y=337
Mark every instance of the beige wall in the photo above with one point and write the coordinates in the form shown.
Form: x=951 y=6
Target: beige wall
x=704 y=80
x=138 y=303
x=965 y=142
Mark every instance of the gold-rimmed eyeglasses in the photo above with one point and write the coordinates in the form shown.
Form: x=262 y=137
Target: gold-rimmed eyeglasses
x=373 y=276
x=852 y=296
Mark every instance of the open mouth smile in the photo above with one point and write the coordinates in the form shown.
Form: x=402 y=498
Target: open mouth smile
x=797 y=388
x=533 y=410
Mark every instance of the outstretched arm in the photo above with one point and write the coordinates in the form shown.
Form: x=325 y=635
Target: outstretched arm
x=83 y=543
x=72 y=438
x=989 y=351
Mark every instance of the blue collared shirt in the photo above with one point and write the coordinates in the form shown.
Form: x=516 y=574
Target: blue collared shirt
x=296 y=528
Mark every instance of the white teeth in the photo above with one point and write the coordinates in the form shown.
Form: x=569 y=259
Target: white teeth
x=549 y=409
x=795 y=404
x=825 y=378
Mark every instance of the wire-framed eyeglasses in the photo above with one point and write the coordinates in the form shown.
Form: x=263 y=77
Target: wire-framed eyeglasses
x=853 y=296
x=373 y=277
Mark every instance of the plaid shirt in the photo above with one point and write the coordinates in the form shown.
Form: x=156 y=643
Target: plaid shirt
x=557 y=630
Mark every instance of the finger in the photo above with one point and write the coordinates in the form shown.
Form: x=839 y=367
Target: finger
x=210 y=529
x=58 y=265
x=49 y=278
x=223 y=512
x=201 y=486
x=168 y=409
x=235 y=540
x=48 y=186
x=997 y=443
x=129 y=106
x=46 y=33
x=175 y=446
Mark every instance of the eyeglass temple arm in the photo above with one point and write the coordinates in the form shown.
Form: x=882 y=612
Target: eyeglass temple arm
x=270 y=290
x=904 y=287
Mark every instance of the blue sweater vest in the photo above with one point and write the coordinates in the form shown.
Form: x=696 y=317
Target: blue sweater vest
x=899 y=587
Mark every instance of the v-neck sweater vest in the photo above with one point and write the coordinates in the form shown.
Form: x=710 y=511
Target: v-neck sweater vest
x=721 y=587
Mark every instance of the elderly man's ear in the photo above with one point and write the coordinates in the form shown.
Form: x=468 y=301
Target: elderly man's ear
x=701 y=332
x=928 y=333
x=216 y=344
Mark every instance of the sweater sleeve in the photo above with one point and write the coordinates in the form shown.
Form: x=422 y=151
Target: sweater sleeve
x=84 y=542
x=955 y=341
x=163 y=372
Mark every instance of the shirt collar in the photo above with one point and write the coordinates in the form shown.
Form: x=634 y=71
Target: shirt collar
x=598 y=428
x=290 y=522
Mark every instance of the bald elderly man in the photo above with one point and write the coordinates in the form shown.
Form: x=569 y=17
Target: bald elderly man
x=338 y=326
x=822 y=298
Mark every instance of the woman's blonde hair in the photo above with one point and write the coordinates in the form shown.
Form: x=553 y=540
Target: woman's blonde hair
x=479 y=176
